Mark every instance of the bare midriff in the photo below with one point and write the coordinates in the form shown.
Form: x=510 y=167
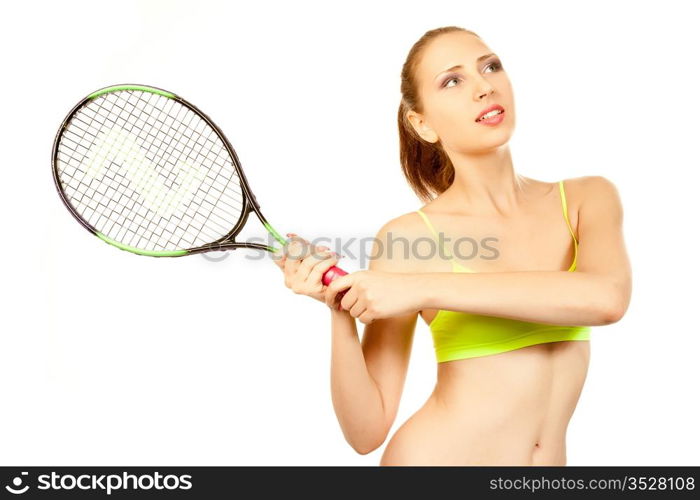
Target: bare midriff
x=511 y=408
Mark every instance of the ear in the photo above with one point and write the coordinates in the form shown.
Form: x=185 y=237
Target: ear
x=421 y=127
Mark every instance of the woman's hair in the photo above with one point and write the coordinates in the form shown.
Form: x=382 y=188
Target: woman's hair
x=426 y=166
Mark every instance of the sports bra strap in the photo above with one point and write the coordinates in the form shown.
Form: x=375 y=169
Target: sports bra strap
x=563 y=207
x=435 y=234
x=566 y=217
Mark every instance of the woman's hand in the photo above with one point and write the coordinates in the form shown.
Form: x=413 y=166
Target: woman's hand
x=304 y=265
x=376 y=294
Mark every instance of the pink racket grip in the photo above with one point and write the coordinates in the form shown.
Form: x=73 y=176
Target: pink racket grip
x=333 y=273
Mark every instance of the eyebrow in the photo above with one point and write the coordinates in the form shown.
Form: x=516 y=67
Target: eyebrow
x=459 y=66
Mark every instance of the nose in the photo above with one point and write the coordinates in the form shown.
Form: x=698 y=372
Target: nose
x=483 y=93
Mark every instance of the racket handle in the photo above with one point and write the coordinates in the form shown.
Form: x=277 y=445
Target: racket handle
x=333 y=273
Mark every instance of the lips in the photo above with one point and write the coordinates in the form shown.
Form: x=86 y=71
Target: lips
x=490 y=108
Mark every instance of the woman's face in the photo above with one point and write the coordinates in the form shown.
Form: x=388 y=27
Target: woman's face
x=454 y=98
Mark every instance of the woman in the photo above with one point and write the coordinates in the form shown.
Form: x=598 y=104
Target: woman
x=511 y=327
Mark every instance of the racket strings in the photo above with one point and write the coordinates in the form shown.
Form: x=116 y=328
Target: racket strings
x=161 y=151
x=148 y=172
x=159 y=121
x=161 y=148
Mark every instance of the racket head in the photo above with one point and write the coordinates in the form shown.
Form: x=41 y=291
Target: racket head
x=148 y=172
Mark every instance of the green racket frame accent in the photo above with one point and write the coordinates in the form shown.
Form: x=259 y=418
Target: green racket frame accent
x=143 y=88
x=152 y=253
x=227 y=242
x=274 y=233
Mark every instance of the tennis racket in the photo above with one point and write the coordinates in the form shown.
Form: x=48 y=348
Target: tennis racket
x=148 y=172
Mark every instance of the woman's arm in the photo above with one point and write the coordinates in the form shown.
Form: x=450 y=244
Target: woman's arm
x=367 y=377
x=556 y=297
x=598 y=293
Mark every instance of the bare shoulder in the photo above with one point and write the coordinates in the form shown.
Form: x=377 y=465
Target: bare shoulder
x=590 y=184
x=589 y=190
x=407 y=224
x=391 y=247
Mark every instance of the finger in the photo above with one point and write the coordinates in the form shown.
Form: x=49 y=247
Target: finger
x=336 y=286
x=309 y=266
x=297 y=248
x=350 y=298
x=315 y=255
x=320 y=268
x=290 y=266
x=356 y=309
x=294 y=254
x=366 y=318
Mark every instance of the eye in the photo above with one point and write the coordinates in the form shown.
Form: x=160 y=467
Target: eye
x=496 y=65
x=448 y=81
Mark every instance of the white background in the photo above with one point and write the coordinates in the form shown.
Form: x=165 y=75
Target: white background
x=109 y=358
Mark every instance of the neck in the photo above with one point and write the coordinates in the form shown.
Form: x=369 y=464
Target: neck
x=486 y=183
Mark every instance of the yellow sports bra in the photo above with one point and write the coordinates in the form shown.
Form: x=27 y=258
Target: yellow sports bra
x=460 y=335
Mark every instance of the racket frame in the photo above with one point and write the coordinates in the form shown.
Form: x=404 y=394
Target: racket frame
x=226 y=242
